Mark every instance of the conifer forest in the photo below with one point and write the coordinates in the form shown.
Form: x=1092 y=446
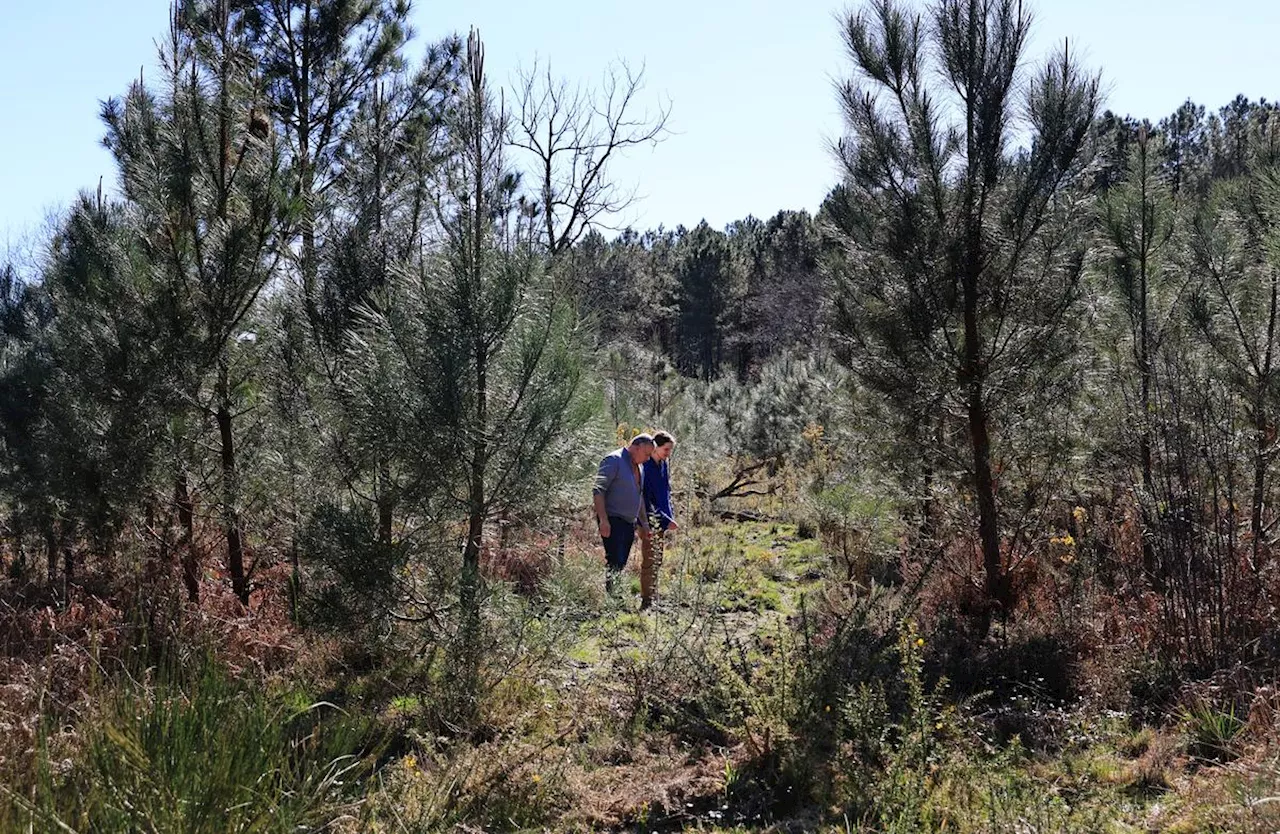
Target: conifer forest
x=314 y=417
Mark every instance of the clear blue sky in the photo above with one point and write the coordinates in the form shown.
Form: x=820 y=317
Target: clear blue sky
x=749 y=83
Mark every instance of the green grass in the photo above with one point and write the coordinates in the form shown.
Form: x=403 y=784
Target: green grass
x=1212 y=730
x=199 y=753
x=587 y=649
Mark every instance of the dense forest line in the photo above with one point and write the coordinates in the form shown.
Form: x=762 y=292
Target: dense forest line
x=976 y=465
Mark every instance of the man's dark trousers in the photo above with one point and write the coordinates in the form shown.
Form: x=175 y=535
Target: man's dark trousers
x=617 y=546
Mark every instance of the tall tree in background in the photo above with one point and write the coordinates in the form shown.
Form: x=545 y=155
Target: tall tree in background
x=706 y=299
x=782 y=288
x=1138 y=247
x=965 y=254
x=704 y=281
x=749 y=269
x=1237 y=133
x=1184 y=146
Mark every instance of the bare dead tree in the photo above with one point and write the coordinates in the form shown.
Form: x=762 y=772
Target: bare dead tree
x=572 y=133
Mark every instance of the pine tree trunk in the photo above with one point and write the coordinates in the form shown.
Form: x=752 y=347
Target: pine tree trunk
x=973 y=370
x=1262 y=441
x=973 y=376
x=187 y=544
x=230 y=491
x=467 y=653
x=1145 y=359
x=475 y=533
x=385 y=498
x=1149 y=566
x=295 y=559
x=984 y=486
x=68 y=565
x=1260 y=456
x=386 y=505
x=467 y=662
x=51 y=554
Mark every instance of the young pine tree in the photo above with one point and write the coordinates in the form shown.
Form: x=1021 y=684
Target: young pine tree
x=203 y=175
x=474 y=360
x=1235 y=306
x=1142 y=289
x=964 y=251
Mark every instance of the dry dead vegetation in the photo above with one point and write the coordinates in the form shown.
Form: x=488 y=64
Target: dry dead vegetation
x=722 y=711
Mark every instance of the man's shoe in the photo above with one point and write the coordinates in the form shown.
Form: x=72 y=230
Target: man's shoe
x=645 y=603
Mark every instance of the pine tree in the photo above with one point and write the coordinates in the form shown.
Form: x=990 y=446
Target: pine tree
x=474 y=360
x=1235 y=301
x=1137 y=221
x=964 y=255
x=204 y=175
x=390 y=157
x=360 y=140
x=1184 y=146
x=319 y=58
x=26 y=365
x=87 y=384
x=704 y=279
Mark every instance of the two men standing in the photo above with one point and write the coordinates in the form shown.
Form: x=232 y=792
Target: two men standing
x=632 y=496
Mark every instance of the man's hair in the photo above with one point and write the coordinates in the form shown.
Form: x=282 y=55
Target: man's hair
x=662 y=438
x=642 y=440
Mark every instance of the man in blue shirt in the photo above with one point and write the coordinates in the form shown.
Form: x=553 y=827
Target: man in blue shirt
x=657 y=501
x=618 y=496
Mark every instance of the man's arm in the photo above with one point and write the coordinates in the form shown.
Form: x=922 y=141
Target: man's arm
x=602 y=517
x=605 y=474
x=604 y=478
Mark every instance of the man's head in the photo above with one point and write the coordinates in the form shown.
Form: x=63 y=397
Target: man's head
x=663 y=444
x=641 y=447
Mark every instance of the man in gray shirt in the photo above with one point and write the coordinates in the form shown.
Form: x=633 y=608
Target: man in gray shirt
x=618 y=496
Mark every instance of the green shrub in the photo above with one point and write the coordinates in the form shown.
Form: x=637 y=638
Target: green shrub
x=354 y=577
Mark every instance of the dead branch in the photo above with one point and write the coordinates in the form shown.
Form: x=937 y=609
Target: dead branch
x=571 y=134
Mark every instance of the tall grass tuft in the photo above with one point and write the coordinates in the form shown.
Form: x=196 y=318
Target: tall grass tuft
x=197 y=753
x=1211 y=730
